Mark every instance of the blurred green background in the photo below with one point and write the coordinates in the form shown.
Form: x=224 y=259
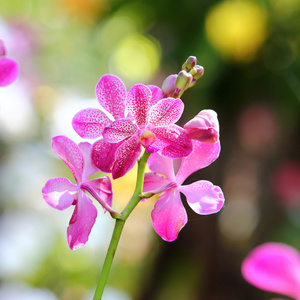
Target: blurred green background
x=251 y=54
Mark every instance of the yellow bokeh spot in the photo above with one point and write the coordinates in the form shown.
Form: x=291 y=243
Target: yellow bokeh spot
x=237 y=29
x=136 y=57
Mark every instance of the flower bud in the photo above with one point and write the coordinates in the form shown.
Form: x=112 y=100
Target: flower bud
x=204 y=127
x=183 y=80
x=198 y=72
x=189 y=63
x=168 y=86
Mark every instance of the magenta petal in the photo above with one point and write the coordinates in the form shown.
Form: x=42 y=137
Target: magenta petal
x=161 y=165
x=126 y=156
x=119 y=130
x=169 y=215
x=81 y=223
x=155 y=184
x=157 y=94
x=2 y=48
x=274 y=267
x=138 y=102
x=90 y=122
x=203 y=197
x=111 y=94
x=201 y=156
x=103 y=154
x=103 y=188
x=172 y=141
x=70 y=154
x=166 y=112
x=89 y=167
x=9 y=71
x=59 y=192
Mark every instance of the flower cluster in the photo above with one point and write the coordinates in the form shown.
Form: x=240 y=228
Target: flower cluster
x=9 y=69
x=125 y=125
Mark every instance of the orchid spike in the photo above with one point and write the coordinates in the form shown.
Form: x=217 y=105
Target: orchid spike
x=9 y=70
x=204 y=127
x=150 y=124
x=274 y=267
x=60 y=193
x=169 y=215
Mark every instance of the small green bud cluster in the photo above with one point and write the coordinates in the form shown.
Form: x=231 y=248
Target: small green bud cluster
x=175 y=84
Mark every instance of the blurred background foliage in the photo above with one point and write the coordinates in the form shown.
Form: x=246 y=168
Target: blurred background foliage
x=251 y=54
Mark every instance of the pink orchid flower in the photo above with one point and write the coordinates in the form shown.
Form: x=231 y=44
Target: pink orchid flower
x=204 y=127
x=60 y=193
x=274 y=267
x=169 y=215
x=9 y=69
x=90 y=123
x=149 y=126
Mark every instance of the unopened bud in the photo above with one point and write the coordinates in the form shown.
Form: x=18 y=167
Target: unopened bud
x=199 y=71
x=168 y=86
x=183 y=80
x=189 y=63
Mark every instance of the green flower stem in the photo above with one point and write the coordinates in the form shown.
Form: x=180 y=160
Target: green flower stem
x=135 y=199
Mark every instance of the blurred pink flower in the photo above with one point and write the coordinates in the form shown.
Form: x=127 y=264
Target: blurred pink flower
x=274 y=267
x=9 y=69
x=60 y=193
x=204 y=127
x=169 y=215
x=286 y=182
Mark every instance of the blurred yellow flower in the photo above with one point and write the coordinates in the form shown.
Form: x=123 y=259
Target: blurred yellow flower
x=237 y=29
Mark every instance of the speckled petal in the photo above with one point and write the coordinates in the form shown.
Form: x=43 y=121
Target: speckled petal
x=166 y=112
x=138 y=102
x=126 y=156
x=201 y=156
x=111 y=94
x=103 y=154
x=119 y=130
x=103 y=188
x=70 y=154
x=274 y=267
x=172 y=141
x=169 y=215
x=9 y=71
x=157 y=94
x=59 y=193
x=90 y=122
x=203 y=197
x=81 y=223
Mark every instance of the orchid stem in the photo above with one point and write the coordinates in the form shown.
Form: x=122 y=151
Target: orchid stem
x=135 y=199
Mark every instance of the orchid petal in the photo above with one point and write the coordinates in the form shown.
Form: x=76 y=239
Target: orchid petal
x=9 y=71
x=119 y=130
x=81 y=223
x=138 y=102
x=89 y=167
x=2 y=48
x=201 y=156
x=166 y=112
x=126 y=156
x=155 y=184
x=203 y=197
x=161 y=165
x=169 y=215
x=274 y=267
x=59 y=192
x=111 y=94
x=70 y=154
x=103 y=188
x=172 y=141
x=90 y=122
x=103 y=154
x=157 y=94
